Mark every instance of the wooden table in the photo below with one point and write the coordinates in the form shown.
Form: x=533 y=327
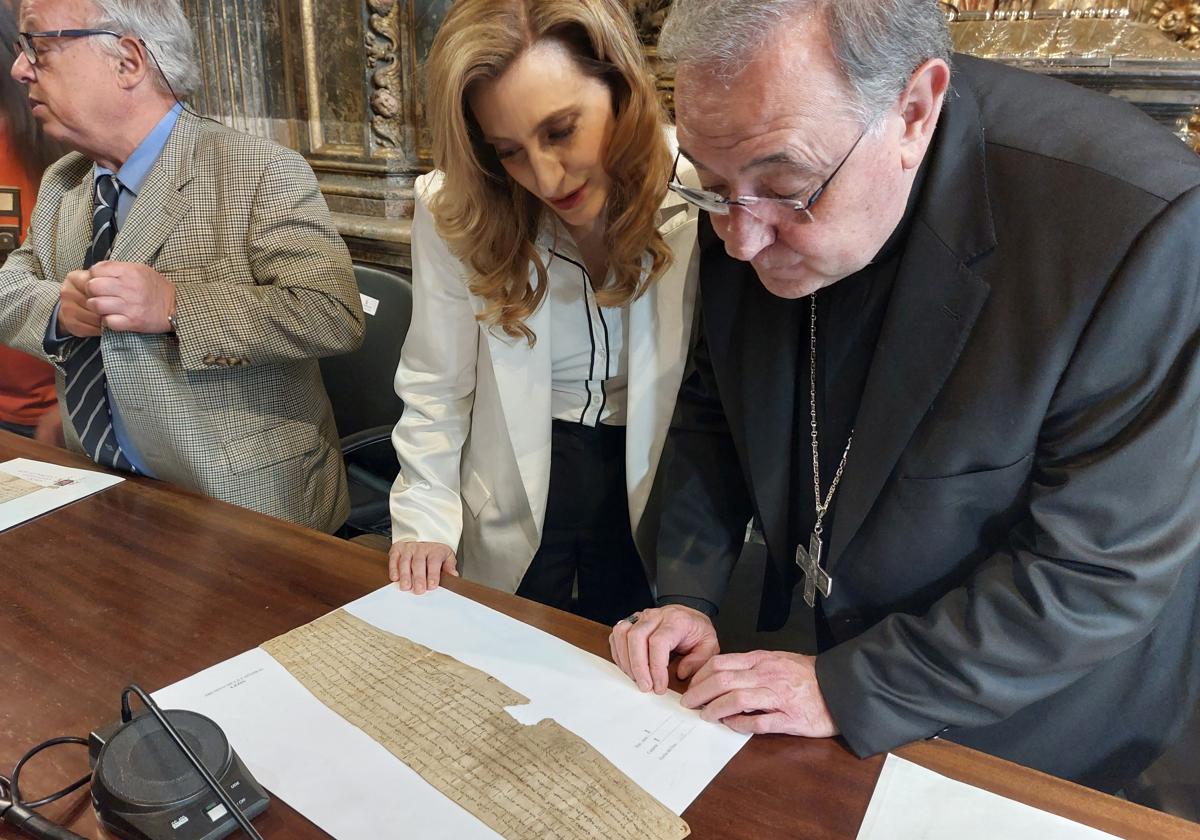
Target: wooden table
x=147 y=583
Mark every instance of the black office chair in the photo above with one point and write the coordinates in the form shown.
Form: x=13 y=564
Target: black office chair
x=365 y=404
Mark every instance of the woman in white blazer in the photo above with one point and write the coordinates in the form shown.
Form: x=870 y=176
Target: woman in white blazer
x=554 y=281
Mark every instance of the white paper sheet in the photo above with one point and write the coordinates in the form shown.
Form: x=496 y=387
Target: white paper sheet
x=354 y=789
x=913 y=803
x=60 y=486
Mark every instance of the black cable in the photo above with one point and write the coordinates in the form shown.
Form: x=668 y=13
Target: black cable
x=226 y=800
x=23 y=817
x=14 y=784
x=182 y=105
x=21 y=814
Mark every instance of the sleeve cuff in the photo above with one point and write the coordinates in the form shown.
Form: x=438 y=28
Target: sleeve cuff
x=869 y=721
x=702 y=604
x=53 y=340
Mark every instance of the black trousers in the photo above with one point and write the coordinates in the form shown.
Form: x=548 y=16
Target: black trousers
x=586 y=537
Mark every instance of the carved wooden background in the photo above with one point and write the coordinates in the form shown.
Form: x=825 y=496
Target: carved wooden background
x=340 y=80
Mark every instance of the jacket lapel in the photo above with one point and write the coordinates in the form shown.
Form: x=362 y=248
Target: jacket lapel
x=660 y=324
x=523 y=377
x=934 y=306
x=935 y=302
x=161 y=203
x=753 y=341
x=768 y=395
x=74 y=227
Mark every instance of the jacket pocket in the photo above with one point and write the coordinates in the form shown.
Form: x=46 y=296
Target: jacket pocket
x=990 y=488
x=271 y=446
x=181 y=255
x=475 y=493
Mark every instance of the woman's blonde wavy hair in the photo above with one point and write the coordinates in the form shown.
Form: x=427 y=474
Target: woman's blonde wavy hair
x=487 y=219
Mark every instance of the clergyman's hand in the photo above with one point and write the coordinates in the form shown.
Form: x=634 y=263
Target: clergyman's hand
x=642 y=649
x=131 y=297
x=419 y=566
x=74 y=316
x=760 y=692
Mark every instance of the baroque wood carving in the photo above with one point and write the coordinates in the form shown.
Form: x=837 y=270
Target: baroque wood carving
x=383 y=60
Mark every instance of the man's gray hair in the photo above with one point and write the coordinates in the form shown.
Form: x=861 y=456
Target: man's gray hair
x=162 y=25
x=877 y=43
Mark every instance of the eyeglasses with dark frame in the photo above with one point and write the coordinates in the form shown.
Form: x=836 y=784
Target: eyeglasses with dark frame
x=772 y=210
x=26 y=46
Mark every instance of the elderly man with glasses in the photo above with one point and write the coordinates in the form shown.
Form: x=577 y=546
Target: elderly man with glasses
x=948 y=365
x=182 y=278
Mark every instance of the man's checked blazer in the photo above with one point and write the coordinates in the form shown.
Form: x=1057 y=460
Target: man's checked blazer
x=232 y=404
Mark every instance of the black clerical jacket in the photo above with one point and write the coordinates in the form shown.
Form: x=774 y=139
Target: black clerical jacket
x=1016 y=538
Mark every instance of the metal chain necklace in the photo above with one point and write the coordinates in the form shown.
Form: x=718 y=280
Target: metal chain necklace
x=816 y=578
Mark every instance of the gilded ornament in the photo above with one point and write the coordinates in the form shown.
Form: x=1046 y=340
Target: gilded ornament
x=1174 y=22
x=1179 y=19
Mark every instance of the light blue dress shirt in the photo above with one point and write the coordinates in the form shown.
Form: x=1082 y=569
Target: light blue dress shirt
x=134 y=171
x=131 y=177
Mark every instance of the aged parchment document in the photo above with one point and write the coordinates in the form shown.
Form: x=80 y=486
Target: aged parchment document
x=12 y=487
x=447 y=722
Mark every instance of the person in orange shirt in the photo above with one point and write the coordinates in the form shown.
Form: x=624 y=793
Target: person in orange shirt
x=27 y=401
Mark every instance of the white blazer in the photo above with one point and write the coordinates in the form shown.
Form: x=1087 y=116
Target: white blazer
x=474 y=439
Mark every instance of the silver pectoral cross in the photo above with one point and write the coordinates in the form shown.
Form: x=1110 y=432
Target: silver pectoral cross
x=814 y=576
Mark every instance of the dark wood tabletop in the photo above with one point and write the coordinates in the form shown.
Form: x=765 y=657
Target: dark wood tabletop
x=148 y=583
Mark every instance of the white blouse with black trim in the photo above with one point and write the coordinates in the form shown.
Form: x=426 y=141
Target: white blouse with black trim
x=589 y=358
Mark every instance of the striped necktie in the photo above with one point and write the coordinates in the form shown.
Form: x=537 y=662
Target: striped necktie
x=86 y=387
